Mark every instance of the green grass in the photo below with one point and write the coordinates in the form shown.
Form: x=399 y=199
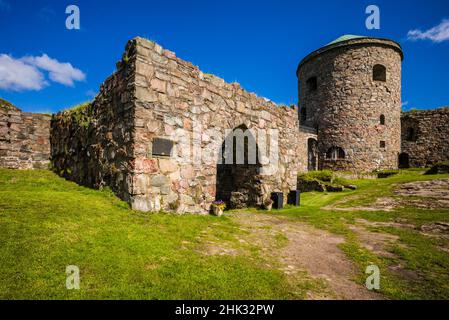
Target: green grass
x=324 y=177
x=414 y=251
x=6 y=105
x=47 y=223
x=79 y=106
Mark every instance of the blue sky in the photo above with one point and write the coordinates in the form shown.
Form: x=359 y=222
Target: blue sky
x=45 y=67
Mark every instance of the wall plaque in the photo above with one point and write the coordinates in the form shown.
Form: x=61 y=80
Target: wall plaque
x=162 y=147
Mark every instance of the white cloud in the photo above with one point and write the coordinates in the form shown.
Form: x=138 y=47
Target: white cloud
x=63 y=73
x=27 y=73
x=437 y=34
x=15 y=75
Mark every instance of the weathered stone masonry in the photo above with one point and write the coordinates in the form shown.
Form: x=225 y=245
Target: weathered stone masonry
x=340 y=97
x=154 y=95
x=94 y=145
x=24 y=138
x=155 y=132
x=425 y=137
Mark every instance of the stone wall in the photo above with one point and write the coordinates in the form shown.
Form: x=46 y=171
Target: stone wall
x=154 y=95
x=339 y=97
x=93 y=144
x=24 y=138
x=425 y=137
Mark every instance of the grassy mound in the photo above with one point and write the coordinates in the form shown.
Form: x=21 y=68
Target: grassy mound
x=6 y=105
x=320 y=181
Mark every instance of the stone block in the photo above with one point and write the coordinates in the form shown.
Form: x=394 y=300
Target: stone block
x=159 y=180
x=146 y=95
x=158 y=85
x=167 y=165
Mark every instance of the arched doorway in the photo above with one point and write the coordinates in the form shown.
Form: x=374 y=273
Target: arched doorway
x=404 y=161
x=238 y=180
x=312 y=154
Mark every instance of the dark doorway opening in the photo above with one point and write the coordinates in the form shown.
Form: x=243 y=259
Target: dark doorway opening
x=404 y=161
x=303 y=113
x=312 y=152
x=238 y=174
x=335 y=153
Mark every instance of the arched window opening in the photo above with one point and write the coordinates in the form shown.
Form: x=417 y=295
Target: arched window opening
x=411 y=134
x=379 y=73
x=312 y=84
x=335 y=153
x=382 y=144
x=303 y=113
x=382 y=119
x=312 y=151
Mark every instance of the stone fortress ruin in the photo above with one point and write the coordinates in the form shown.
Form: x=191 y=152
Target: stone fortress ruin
x=155 y=131
x=350 y=93
x=165 y=136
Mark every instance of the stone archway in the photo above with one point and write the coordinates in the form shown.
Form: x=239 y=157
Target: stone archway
x=238 y=173
x=312 y=154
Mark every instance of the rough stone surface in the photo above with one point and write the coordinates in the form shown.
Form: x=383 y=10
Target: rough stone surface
x=24 y=138
x=152 y=95
x=425 y=136
x=331 y=188
x=310 y=185
x=439 y=169
x=155 y=95
x=182 y=99
x=94 y=145
x=347 y=104
x=238 y=200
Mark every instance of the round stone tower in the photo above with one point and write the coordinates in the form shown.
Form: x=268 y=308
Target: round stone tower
x=350 y=92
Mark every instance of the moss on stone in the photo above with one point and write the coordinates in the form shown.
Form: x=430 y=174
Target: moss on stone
x=319 y=181
x=6 y=105
x=79 y=114
x=79 y=107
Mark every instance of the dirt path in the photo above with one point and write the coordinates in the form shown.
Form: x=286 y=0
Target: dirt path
x=309 y=249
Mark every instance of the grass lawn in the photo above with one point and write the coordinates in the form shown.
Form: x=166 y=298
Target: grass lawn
x=426 y=257
x=47 y=223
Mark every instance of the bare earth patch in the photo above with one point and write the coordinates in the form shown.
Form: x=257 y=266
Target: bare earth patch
x=397 y=223
x=438 y=229
x=377 y=242
x=381 y=204
x=298 y=249
x=310 y=249
x=433 y=194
